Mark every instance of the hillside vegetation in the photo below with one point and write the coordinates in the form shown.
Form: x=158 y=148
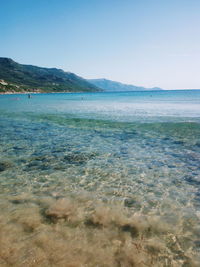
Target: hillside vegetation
x=15 y=77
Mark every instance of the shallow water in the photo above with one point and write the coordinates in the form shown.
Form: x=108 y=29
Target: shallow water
x=105 y=179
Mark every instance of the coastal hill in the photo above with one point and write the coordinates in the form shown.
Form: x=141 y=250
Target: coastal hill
x=15 y=77
x=112 y=86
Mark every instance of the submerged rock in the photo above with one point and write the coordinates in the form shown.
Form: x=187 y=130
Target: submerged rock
x=133 y=230
x=78 y=157
x=4 y=165
x=130 y=202
x=192 y=180
x=198 y=144
x=55 y=162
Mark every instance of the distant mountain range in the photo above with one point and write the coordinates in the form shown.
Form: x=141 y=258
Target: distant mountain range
x=112 y=86
x=15 y=77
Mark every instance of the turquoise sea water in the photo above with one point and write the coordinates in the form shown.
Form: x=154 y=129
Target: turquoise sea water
x=137 y=153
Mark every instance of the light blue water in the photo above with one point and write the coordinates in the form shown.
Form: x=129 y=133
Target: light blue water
x=141 y=149
x=126 y=106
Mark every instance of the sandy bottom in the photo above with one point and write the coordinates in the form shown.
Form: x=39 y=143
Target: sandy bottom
x=80 y=231
x=77 y=192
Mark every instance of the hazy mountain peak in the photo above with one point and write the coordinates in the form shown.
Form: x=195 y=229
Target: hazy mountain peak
x=113 y=86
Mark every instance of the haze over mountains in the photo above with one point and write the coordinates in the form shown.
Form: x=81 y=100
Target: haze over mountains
x=15 y=77
x=112 y=86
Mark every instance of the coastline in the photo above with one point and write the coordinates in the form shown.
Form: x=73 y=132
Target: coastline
x=24 y=93
x=32 y=92
x=19 y=93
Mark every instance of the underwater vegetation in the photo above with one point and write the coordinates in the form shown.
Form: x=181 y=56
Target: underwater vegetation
x=78 y=231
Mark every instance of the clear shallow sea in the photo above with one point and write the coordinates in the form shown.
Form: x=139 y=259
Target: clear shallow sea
x=100 y=179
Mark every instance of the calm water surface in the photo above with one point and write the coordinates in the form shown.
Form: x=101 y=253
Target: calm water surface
x=118 y=172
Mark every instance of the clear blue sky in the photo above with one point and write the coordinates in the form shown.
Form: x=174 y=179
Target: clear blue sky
x=142 y=42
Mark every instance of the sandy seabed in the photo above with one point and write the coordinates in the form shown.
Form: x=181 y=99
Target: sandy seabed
x=79 y=231
x=90 y=192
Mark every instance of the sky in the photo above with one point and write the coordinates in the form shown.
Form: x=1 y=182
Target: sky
x=142 y=42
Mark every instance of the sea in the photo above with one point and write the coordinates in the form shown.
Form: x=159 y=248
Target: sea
x=100 y=179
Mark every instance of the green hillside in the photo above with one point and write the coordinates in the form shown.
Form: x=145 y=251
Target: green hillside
x=15 y=77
